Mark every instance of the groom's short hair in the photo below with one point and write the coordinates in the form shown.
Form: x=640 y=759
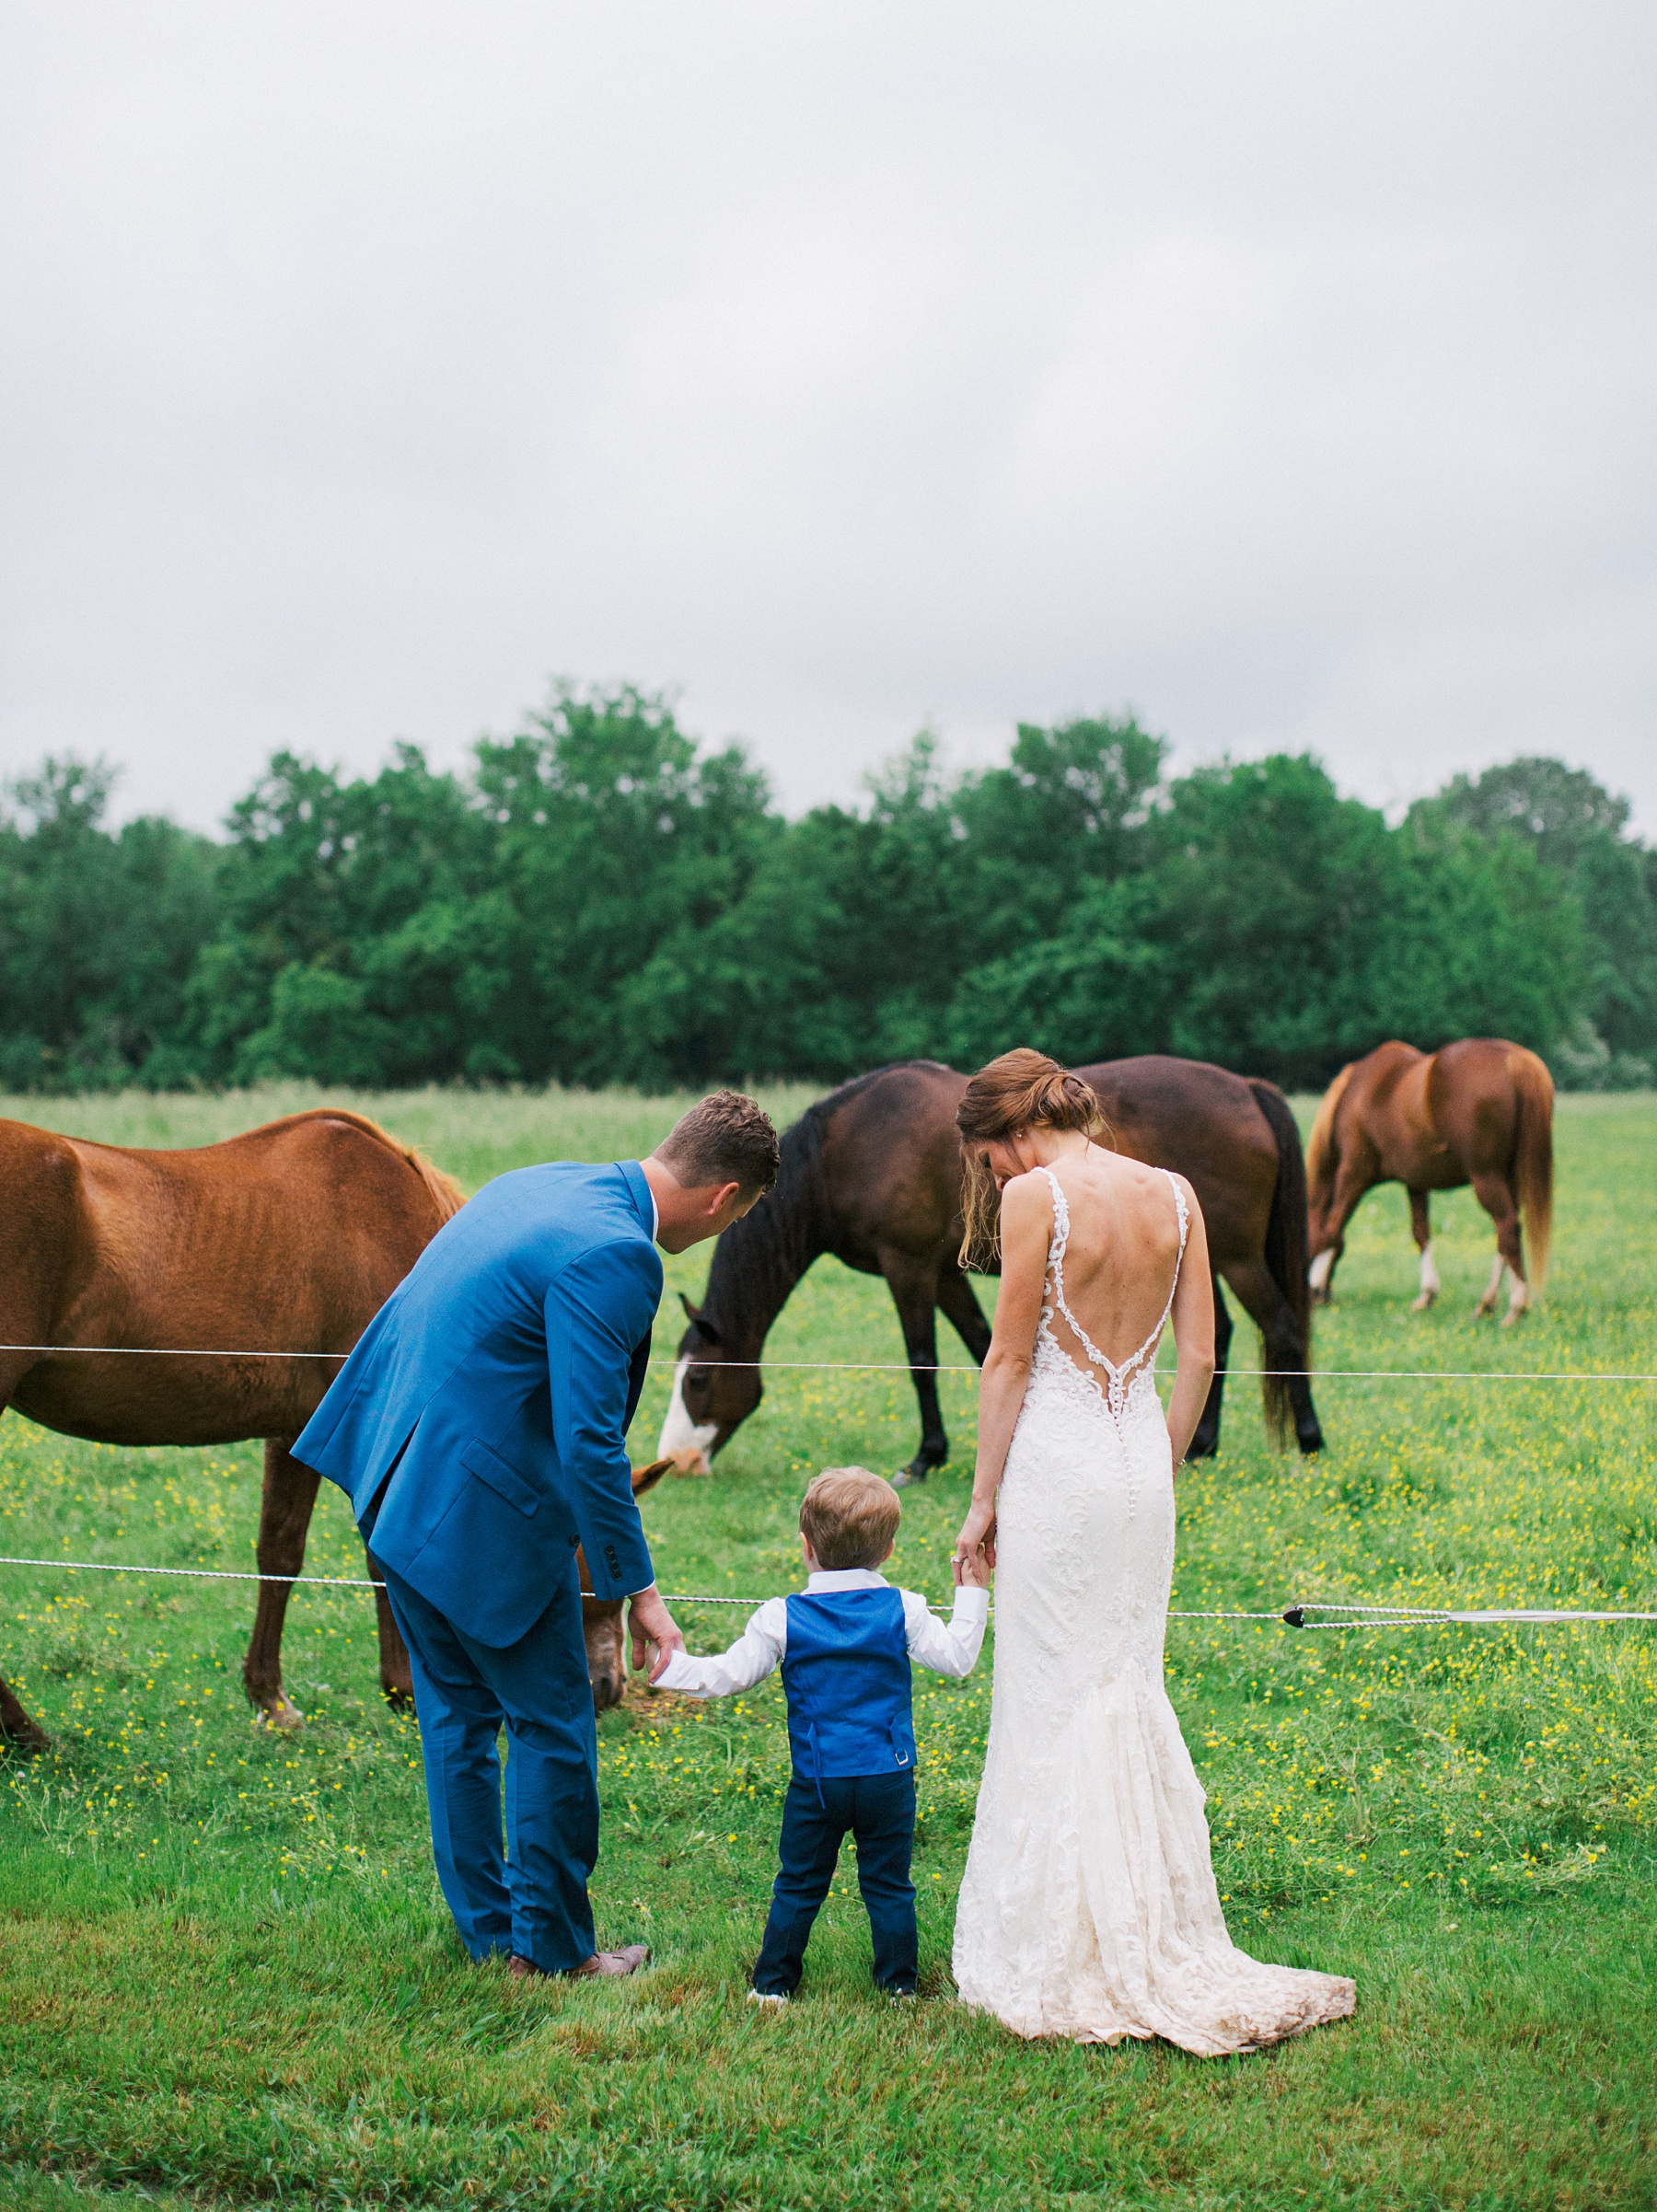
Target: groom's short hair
x=727 y=1138
x=849 y=1517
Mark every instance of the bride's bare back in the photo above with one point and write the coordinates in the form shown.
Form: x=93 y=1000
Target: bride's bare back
x=1122 y=1253
x=1121 y=1257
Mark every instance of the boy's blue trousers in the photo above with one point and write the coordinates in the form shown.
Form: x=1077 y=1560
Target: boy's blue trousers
x=878 y=1809
x=535 y=1903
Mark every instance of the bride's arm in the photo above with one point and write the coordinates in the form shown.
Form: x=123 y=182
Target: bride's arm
x=1026 y=1222
x=1193 y=1332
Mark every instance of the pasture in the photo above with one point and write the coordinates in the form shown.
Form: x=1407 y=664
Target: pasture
x=226 y=1976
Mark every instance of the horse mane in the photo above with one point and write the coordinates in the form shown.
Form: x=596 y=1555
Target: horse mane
x=1320 y=1144
x=759 y=1258
x=445 y=1193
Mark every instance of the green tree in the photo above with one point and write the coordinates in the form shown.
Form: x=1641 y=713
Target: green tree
x=1577 y=829
x=96 y=931
x=327 y=886
x=1280 y=929
x=1074 y=807
x=616 y=845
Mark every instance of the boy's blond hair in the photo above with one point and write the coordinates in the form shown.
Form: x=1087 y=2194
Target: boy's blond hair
x=850 y=1517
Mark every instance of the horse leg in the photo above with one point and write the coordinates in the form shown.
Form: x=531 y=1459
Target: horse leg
x=1422 y=1229
x=1205 y=1439
x=962 y=1311
x=1495 y=1194
x=284 y=1512
x=1284 y=1355
x=914 y=1292
x=1350 y=1184
x=397 y=1677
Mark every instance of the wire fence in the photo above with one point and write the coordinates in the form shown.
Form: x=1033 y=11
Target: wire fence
x=1292 y=1615
x=1348 y=1614
x=907 y=1367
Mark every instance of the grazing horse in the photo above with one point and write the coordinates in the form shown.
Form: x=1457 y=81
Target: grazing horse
x=1479 y=1111
x=289 y=1238
x=872 y=1173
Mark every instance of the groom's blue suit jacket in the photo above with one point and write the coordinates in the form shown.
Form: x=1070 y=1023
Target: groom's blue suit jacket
x=496 y=1386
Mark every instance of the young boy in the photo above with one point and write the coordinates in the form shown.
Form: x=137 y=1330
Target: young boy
x=844 y=1646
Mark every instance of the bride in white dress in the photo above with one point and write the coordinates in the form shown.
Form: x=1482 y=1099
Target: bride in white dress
x=1089 y=1907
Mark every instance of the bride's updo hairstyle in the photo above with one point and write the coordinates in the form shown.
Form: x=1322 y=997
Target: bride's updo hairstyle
x=1021 y=1090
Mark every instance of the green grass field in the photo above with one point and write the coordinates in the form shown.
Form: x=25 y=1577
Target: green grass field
x=226 y=1976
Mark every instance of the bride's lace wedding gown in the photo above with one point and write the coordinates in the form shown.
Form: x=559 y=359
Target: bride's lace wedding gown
x=1089 y=1907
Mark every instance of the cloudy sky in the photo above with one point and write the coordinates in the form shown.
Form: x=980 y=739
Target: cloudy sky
x=1283 y=373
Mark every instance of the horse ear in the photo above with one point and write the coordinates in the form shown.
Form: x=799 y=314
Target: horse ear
x=646 y=1479
x=697 y=1316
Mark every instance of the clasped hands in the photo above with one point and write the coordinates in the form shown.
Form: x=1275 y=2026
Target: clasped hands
x=974 y=1559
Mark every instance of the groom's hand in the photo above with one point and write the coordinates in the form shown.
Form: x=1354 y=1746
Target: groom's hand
x=649 y=1622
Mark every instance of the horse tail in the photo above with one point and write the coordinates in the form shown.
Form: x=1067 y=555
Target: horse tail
x=1320 y=1144
x=1533 y=1156
x=1286 y=1254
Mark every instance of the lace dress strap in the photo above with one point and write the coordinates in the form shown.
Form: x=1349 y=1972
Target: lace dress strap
x=1184 y=1212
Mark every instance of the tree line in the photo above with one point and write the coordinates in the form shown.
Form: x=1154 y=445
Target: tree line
x=601 y=899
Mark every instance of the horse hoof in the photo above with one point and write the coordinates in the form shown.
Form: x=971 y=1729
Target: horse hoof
x=1514 y=1313
x=907 y=1478
x=1421 y=1305
x=690 y=1459
x=283 y=1714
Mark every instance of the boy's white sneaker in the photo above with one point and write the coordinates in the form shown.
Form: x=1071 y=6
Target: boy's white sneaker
x=772 y=1999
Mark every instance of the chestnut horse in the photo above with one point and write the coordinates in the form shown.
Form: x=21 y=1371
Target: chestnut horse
x=289 y=1238
x=1479 y=1111
x=872 y=1174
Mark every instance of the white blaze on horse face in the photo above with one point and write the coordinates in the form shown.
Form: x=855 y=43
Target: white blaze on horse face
x=1319 y=1274
x=683 y=1439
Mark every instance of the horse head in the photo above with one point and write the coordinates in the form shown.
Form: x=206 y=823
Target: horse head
x=601 y=1621
x=712 y=1396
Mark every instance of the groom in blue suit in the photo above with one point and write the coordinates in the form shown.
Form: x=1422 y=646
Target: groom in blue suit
x=479 y=1429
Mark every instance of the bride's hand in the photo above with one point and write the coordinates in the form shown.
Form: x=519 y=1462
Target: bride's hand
x=977 y=1532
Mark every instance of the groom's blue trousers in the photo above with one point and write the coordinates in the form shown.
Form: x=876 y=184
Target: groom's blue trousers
x=533 y=1900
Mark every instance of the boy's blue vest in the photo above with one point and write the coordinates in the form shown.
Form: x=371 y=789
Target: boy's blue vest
x=846 y=1676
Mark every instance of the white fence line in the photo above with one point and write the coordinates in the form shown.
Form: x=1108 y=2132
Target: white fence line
x=1291 y=1616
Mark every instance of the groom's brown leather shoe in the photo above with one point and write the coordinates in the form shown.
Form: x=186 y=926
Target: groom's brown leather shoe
x=607 y=1962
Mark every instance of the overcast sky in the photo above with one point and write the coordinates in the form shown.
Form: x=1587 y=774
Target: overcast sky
x=1284 y=373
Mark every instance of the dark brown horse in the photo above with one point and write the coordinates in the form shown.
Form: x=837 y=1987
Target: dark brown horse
x=286 y=1239
x=16 y=1727
x=872 y=1173
x=1479 y=1111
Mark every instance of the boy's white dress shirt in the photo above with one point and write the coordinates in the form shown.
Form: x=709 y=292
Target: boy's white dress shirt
x=946 y=1647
